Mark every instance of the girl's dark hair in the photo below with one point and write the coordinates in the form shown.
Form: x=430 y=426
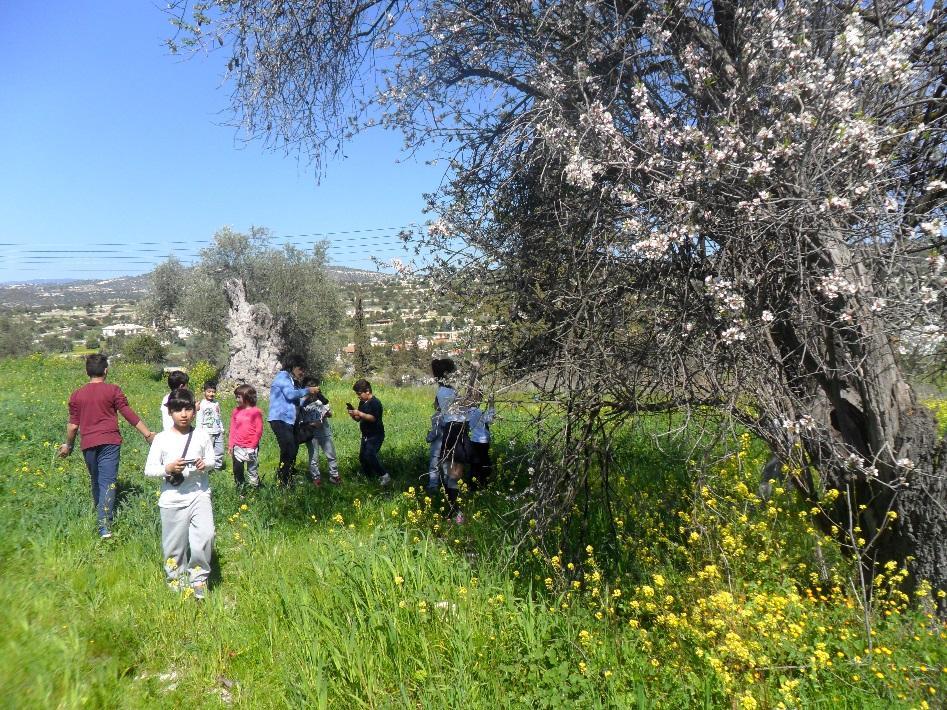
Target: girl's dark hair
x=180 y=399
x=246 y=393
x=177 y=379
x=440 y=367
x=96 y=364
x=293 y=361
x=311 y=381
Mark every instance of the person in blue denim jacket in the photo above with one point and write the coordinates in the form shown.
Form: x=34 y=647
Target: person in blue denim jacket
x=284 y=399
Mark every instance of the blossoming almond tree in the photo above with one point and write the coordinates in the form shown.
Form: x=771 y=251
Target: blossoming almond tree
x=676 y=204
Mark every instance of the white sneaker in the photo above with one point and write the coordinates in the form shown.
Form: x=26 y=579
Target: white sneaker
x=384 y=480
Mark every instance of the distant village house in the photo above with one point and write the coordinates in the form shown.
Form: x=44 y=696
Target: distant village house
x=110 y=331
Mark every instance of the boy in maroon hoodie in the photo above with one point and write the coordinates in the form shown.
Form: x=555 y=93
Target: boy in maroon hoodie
x=92 y=411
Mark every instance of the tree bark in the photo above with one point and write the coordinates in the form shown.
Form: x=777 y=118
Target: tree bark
x=256 y=340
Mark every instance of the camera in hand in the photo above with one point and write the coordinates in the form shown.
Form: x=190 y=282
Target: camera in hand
x=348 y=406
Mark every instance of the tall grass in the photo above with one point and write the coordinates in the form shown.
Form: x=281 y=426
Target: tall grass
x=357 y=597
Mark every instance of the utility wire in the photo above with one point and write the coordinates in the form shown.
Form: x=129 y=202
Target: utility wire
x=106 y=259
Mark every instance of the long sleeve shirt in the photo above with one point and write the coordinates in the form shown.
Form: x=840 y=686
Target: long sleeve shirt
x=479 y=421
x=93 y=407
x=168 y=446
x=284 y=395
x=246 y=427
x=449 y=405
x=166 y=421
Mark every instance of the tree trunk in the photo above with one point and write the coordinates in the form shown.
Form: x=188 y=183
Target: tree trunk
x=876 y=415
x=256 y=342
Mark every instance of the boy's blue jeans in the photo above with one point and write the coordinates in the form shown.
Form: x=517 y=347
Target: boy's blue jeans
x=102 y=462
x=322 y=438
x=434 y=462
x=368 y=456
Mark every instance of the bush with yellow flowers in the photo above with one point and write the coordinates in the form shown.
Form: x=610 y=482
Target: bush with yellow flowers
x=745 y=595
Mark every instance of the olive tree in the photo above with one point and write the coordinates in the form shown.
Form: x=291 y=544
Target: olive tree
x=679 y=206
x=292 y=283
x=166 y=286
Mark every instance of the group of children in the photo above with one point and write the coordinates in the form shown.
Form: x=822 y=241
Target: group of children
x=299 y=414
x=191 y=445
x=246 y=425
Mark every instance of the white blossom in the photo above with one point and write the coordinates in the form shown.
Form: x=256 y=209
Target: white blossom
x=932 y=228
x=579 y=171
x=732 y=335
x=836 y=284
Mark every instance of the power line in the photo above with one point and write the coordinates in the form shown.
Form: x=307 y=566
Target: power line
x=302 y=235
x=360 y=247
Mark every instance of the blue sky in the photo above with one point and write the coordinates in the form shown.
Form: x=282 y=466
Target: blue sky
x=107 y=140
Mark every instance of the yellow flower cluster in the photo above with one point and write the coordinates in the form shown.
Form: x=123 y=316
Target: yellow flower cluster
x=741 y=588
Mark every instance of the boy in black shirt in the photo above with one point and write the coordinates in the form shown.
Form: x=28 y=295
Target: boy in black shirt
x=369 y=417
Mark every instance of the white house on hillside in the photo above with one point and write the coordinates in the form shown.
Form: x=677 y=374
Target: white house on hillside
x=110 y=331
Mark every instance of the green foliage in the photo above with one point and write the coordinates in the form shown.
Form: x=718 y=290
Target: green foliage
x=292 y=283
x=207 y=347
x=144 y=348
x=363 y=348
x=168 y=283
x=15 y=338
x=201 y=372
x=355 y=597
x=53 y=343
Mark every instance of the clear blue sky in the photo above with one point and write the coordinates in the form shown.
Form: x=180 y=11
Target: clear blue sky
x=107 y=139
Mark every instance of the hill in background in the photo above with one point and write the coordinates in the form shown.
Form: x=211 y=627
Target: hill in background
x=65 y=293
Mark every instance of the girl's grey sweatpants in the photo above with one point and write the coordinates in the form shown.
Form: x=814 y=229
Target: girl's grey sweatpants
x=187 y=539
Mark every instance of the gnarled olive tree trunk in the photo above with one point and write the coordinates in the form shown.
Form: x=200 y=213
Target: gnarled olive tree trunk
x=870 y=439
x=256 y=342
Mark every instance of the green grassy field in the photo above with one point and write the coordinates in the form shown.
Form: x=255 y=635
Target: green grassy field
x=356 y=597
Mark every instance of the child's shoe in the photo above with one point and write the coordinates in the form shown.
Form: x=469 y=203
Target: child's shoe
x=200 y=590
x=104 y=533
x=459 y=519
x=335 y=480
x=384 y=480
x=317 y=482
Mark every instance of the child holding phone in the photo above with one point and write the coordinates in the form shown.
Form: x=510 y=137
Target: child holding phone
x=369 y=416
x=184 y=456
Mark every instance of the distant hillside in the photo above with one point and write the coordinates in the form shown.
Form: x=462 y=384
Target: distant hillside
x=64 y=293
x=49 y=293
x=345 y=275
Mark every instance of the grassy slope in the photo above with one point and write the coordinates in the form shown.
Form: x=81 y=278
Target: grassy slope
x=307 y=611
x=324 y=597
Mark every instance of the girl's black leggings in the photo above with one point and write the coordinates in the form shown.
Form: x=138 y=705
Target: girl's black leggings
x=286 y=438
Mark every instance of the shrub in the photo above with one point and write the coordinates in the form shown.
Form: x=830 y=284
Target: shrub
x=144 y=348
x=200 y=372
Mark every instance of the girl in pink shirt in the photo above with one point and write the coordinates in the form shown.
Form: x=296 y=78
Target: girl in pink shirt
x=246 y=428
